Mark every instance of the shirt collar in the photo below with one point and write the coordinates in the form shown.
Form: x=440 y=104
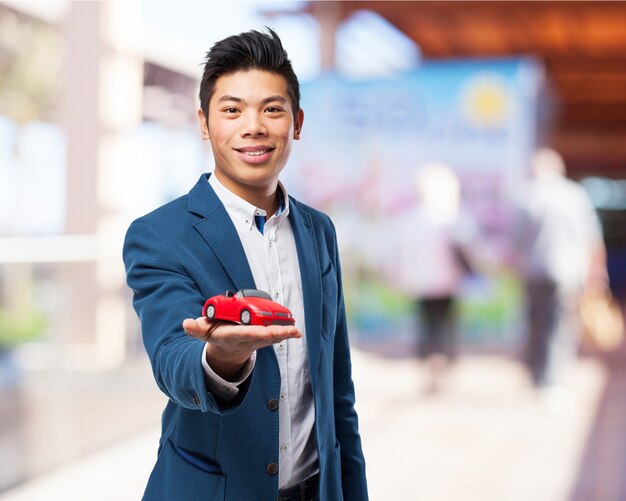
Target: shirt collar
x=243 y=211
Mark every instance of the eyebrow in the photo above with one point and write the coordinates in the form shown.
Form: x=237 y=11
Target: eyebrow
x=267 y=100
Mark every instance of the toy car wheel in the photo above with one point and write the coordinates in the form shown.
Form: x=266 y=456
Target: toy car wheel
x=245 y=317
x=210 y=311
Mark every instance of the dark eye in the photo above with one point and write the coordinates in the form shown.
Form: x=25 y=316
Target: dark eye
x=273 y=109
x=230 y=110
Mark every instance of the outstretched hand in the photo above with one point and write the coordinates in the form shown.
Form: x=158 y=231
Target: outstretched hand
x=230 y=344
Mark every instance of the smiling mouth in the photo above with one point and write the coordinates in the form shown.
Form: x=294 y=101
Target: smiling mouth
x=254 y=151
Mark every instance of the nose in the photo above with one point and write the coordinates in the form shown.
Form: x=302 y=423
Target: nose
x=253 y=125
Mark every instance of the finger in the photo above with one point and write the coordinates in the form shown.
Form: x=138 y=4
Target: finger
x=260 y=334
x=284 y=332
x=197 y=328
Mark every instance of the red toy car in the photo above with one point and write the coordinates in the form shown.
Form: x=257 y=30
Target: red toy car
x=248 y=306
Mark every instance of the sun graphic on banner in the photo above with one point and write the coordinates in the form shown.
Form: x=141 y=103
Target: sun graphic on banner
x=485 y=102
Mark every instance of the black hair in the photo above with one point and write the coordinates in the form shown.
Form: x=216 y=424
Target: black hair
x=247 y=51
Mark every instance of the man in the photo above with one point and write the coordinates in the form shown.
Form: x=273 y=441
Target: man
x=254 y=413
x=561 y=254
x=426 y=266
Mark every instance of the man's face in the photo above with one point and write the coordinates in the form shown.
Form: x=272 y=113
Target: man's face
x=251 y=127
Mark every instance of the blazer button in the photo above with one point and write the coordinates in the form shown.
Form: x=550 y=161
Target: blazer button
x=272 y=404
x=271 y=469
x=196 y=400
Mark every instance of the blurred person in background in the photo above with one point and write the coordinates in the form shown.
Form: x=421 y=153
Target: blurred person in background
x=254 y=412
x=560 y=254
x=428 y=264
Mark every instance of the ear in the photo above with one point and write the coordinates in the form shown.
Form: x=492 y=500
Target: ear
x=204 y=126
x=297 y=129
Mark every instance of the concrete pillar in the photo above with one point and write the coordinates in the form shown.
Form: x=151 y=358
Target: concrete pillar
x=79 y=113
x=80 y=119
x=101 y=101
x=329 y=17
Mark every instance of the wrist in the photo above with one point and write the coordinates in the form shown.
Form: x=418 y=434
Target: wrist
x=225 y=365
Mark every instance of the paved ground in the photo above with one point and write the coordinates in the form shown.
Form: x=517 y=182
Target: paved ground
x=485 y=437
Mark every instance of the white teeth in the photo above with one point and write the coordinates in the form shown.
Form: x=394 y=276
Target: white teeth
x=255 y=153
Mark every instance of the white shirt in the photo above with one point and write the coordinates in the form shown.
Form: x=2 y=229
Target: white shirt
x=421 y=262
x=273 y=260
x=558 y=231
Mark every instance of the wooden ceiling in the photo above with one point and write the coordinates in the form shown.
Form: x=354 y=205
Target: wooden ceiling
x=582 y=44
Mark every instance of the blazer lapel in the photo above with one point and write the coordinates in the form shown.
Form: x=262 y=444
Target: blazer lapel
x=220 y=234
x=310 y=273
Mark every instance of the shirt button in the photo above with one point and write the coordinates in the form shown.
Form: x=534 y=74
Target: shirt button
x=196 y=400
x=271 y=469
x=272 y=404
x=282 y=397
x=284 y=448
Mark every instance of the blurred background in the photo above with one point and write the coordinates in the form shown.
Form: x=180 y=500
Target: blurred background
x=98 y=126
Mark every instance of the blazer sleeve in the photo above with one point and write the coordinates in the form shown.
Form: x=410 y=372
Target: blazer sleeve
x=164 y=294
x=354 y=481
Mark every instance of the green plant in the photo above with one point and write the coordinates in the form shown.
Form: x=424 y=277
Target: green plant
x=19 y=328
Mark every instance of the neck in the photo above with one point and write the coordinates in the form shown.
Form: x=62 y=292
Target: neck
x=263 y=197
x=269 y=203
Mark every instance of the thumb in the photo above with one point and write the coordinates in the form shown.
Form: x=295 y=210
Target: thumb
x=197 y=328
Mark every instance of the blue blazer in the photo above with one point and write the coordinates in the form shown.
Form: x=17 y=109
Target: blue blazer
x=175 y=258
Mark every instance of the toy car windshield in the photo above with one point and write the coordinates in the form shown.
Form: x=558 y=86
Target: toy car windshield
x=253 y=293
